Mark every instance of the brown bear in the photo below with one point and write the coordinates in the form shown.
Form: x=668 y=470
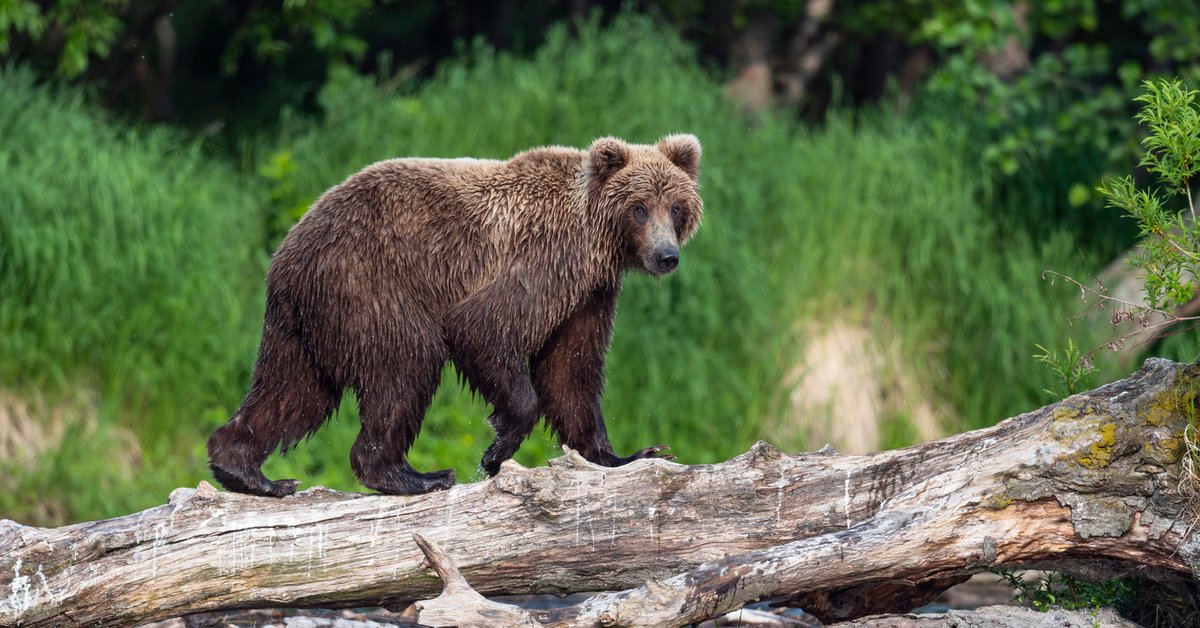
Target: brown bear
x=511 y=269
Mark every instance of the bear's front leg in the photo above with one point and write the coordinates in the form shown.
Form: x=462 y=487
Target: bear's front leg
x=568 y=374
x=505 y=384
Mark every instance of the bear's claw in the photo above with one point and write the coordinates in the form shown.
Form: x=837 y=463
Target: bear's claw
x=650 y=452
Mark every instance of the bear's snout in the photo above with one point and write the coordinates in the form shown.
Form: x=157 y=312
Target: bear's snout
x=666 y=258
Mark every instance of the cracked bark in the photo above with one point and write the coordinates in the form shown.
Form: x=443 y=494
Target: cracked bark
x=1092 y=480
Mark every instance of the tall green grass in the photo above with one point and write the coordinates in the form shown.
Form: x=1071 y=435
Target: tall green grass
x=129 y=265
x=126 y=257
x=137 y=261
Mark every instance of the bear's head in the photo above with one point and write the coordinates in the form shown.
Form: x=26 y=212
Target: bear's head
x=651 y=194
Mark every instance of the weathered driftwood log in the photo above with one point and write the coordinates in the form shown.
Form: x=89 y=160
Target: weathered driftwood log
x=998 y=617
x=1092 y=478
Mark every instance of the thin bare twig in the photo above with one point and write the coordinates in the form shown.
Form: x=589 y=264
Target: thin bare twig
x=1187 y=187
x=1172 y=242
x=1154 y=330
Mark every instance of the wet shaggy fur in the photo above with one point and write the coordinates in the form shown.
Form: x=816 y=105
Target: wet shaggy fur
x=509 y=268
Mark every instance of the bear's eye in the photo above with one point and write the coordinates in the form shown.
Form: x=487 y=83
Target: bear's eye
x=639 y=213
x=677 y=212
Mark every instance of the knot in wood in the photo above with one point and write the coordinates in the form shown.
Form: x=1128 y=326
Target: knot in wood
x=762 y=453
x=570 y=459
x=512 y=483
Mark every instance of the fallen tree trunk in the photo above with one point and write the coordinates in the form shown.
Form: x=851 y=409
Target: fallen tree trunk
x=1092 y=478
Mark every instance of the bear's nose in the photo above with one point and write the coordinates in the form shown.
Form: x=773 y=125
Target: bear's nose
x=666 y=258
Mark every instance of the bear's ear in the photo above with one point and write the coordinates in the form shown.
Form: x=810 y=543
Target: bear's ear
x=684 y=151
x=606 y=156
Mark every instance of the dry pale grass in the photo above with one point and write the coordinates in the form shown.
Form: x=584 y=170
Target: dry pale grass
x=28 y=427
x=32 y=428
x=1189 y=473
x=849 y=380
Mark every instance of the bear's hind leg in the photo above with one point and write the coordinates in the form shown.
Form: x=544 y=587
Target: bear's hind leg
x=288 y=400
x=238 y=449
x=236 y=460
x=392 y=412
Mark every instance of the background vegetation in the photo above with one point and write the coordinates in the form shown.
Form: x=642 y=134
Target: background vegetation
x=142 y=190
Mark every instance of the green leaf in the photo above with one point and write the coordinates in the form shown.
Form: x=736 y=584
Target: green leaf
x=1079 y=195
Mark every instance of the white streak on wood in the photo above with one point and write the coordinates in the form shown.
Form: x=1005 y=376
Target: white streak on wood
x=578 y=509
x=46 y=586
x=22 y=596
x=779 y=486
x=651 y=512
x=846 y=499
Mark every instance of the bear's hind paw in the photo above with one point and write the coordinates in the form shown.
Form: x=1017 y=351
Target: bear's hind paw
x=650 y=452
x=253 y=483
x=406 y=481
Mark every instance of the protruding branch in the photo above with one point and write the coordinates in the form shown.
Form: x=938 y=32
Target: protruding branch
x=459 y=604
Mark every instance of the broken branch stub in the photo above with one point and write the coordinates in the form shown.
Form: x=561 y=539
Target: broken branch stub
x=459 y=604
x=1092 y=478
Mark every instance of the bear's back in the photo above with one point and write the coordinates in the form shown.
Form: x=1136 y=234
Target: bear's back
x=436 y=230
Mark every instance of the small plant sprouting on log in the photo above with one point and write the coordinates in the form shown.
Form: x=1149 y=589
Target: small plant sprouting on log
x=1073 y=370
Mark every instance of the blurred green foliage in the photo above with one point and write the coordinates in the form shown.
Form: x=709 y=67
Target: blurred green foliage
x=1053 y=82
x=82 y=28
x=267 y=32
x=137 y=259
x=130 y=266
